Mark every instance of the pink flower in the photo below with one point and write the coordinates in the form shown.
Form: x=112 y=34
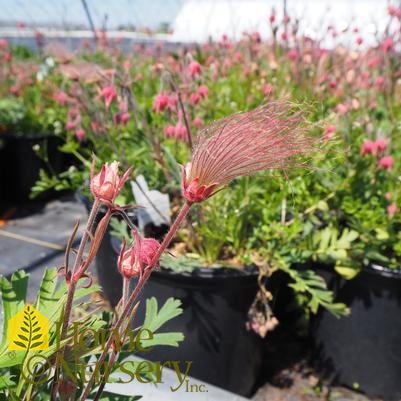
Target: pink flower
x=109 y=94
x=169 y=131
x=269 y=137
x=138 y=77
x=292 y=55
x=267 y=89
x=380 y=80
x=381 y=145
x=329 y=132
x=80 y=134
x=359 y=40
x=195 y=98
x=203 y=91
x=368 y=147
x=161 y=102
x=180 y=132
x=392 y=209
x=70 y=125
x=386 y=162
x=134 y=260
x=388 y=196
x=194 y=69
x=3 y=43
x=122 y=118
x=197 y=122
x=387 y=44
x=272 y=17
x=61 y=98
x=107 y=184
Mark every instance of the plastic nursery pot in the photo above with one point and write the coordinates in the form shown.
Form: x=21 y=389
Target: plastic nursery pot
x=23 y=164
x=215 y=303
x=363 y=350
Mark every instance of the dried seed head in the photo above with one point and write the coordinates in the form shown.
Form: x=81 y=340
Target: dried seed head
x=268 y=137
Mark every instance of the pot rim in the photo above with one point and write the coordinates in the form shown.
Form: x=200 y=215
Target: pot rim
x=376 y=269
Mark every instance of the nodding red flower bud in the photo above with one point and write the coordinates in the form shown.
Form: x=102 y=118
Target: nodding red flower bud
x=134 y=260
x=106 y=185
x=194 y=69
x=387 y=44
x=161 y=102
x=392 y=209
x=109 y=94
x=381 y=145
x=80 y=134
x=386 y=162
x=368 y=147
x=203 y=91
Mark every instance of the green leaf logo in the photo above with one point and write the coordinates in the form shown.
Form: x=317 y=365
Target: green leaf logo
x=28 y=330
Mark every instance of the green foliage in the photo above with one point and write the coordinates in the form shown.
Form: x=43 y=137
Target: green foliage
x=50 y=302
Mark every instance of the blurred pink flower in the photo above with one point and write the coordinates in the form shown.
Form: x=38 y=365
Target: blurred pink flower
x=387 y=44
x=203 y=91
x=80 y=134
x=392 y=209
x=161 y=102
x=195 y=98
x=194 y=69
x=180 y=132
x=134 y=260
x=70 y=125
x=368 y=147
x=292 y=55
x=109 y=94
x=267 y=89
x=60 y=97
x=197 y=122
x=381 y=145
x=386 y=162
x=269 y=137
x=169 y=131
x=329 y=132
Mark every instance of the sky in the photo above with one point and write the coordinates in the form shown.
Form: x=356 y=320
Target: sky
x=140 y=13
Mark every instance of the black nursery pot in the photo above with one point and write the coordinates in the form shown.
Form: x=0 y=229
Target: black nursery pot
x=22 y=164
x=215 y=303
x=363 y=350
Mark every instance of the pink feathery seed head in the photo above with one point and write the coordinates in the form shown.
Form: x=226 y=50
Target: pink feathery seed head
x=386 y=162
x=268 y=137
x=107 y=184
x=134 y=260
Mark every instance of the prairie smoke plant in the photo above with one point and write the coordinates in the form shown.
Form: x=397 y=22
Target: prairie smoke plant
x=135 y=259
x=268 y=137
x=107 y=184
